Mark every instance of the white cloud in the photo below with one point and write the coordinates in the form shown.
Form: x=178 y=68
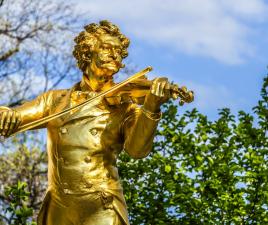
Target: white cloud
x=246 y=9
x=219 y=29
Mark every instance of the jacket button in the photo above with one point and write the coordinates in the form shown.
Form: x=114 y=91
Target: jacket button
x=63 y=130
x=88 y=185
x=93 y=131
x=65 y=185
x=67 y=191
x=87 y=159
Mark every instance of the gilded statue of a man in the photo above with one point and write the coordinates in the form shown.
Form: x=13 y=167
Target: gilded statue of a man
x=83 y=145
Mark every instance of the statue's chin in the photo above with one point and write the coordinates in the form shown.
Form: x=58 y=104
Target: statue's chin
x=109 y=70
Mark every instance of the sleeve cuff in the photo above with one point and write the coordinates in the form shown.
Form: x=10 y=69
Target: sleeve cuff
x=151 y=115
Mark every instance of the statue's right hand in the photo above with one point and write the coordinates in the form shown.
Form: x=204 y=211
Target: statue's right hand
x=9 y=121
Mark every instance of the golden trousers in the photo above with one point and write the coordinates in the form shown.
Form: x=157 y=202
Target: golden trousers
x=86 y=209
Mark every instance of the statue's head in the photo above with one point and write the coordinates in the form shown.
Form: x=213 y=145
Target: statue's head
x=100 y=49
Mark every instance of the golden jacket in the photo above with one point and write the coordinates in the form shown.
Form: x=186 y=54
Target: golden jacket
x=83 y=145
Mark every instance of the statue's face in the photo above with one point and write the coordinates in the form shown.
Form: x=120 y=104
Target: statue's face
x=106 y=58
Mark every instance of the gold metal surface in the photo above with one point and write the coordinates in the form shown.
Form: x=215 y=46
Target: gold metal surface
x=44 y=120
x=85 y=134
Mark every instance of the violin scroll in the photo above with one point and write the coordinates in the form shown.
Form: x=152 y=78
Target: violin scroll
x=183 y=93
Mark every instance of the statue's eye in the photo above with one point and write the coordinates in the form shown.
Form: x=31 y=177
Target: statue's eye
x=118 y=50
x=105 y=47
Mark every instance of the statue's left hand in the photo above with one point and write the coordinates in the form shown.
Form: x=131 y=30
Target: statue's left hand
x=9 y=122
x=158 y=95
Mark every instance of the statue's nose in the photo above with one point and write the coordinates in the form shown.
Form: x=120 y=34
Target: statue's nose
x=114 y=54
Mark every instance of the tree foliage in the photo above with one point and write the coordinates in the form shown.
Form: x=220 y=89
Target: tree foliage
x=25 y=163
x=202 y=171
x=20 y=212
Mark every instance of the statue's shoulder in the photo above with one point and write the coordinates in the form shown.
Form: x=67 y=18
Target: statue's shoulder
x=57 y=93
x=53 y=95
x=61 y=93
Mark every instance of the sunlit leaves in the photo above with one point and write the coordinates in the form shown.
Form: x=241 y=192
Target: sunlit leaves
x=18 y=196
x=201 y=171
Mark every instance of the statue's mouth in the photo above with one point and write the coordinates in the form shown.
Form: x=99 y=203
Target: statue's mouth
x=112 y=63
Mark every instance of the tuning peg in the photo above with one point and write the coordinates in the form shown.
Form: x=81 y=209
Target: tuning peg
x=184 y=89
x=181 y=102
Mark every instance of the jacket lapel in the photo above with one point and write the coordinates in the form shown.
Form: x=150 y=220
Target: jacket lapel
x=94 y=109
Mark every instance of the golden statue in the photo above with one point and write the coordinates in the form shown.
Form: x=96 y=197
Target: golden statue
x=89 y=125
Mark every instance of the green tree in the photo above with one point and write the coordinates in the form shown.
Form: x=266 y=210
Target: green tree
x=202 y=171
x=20 y=212
x=26 y=164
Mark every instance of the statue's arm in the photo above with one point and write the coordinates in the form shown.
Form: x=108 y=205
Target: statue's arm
x=34 y=110
x=140 y=126
x=139 y=129
x=12 y=118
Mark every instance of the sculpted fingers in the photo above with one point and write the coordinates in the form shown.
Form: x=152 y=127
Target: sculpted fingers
x=14 y=122
x=159 y=94
x=18 y=120
x=7 y=122
x=11 y=122
x=2 y=122
x=154 y=87
x=160 y=87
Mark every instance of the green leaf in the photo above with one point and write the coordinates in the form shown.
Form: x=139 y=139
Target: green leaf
x=167 y=168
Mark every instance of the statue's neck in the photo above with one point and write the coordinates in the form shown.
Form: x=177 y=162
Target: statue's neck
x=97 y=84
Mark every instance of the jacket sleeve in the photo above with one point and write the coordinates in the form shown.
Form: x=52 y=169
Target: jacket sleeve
x=139 y=131
x=35 y=109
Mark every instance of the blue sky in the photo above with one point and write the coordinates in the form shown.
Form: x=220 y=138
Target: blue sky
x=218 y=48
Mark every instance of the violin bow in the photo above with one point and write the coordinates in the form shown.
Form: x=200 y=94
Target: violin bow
x=41 y=121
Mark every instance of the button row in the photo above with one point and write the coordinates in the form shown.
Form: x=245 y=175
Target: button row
x=87 y=159
x=93 y=131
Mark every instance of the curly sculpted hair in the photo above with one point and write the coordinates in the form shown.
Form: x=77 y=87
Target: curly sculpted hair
x=87 y=39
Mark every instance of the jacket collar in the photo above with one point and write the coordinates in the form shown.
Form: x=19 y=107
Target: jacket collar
x=81 y=91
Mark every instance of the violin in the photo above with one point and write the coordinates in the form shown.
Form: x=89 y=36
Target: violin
x=136 y=90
